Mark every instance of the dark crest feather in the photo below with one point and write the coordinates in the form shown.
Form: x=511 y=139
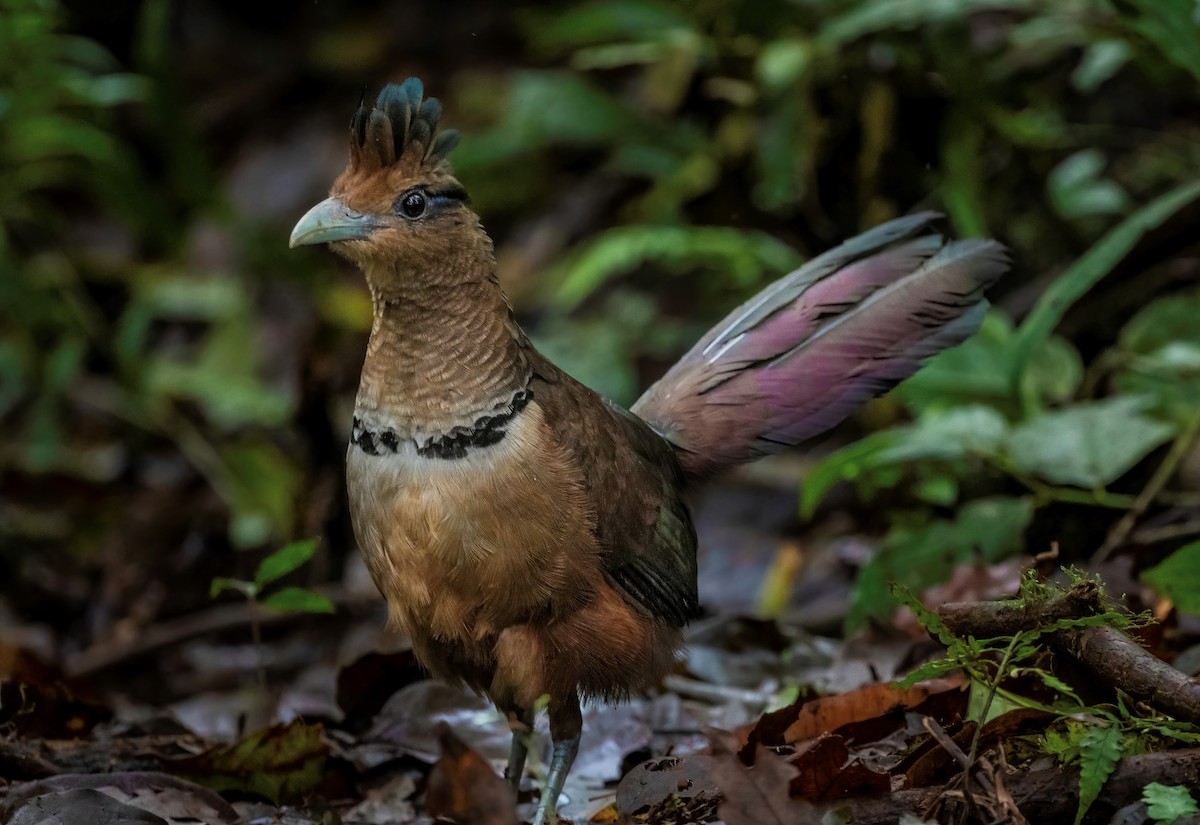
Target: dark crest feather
x=400 y=125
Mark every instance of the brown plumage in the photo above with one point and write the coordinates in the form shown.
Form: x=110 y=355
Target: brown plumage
x=530 y=537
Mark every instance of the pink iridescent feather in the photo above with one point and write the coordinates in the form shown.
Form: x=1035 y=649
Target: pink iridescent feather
x=804 y=353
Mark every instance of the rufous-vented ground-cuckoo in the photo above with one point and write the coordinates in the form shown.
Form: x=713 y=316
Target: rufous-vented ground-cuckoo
x=529 y=536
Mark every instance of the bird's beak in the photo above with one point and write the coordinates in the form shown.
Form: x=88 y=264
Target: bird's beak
x=331 y=220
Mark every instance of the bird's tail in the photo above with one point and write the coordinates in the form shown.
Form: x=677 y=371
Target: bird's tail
x=804 y=353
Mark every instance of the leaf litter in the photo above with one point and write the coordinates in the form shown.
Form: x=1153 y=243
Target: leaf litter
x=764 y=722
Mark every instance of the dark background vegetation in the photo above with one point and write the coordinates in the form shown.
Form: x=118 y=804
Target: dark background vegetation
x=175 y=384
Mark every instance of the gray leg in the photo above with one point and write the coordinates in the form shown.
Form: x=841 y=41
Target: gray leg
x=521 y=723
x=566 y=723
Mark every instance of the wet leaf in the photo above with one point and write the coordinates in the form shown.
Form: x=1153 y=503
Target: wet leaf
x=281 y=763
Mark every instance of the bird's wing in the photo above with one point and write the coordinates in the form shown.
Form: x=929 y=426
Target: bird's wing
x=635 y=484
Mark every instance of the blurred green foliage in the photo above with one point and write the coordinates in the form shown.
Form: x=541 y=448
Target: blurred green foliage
x=645 y=164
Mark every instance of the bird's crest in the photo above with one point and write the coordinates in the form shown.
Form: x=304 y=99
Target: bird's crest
x=400 y=129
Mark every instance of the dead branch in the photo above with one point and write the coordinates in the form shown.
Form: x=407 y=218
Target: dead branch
x=990 y=619
x=1110 y=654
x=1121 y=662
x=218 y=619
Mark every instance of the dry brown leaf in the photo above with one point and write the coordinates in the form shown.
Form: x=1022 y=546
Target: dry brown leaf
x=830 y=713
x=464 y=788
x=826 y=772
x=759 y=795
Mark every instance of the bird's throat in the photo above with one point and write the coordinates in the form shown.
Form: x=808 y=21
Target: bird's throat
x=439 y=360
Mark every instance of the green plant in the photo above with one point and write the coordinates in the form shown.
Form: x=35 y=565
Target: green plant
x=283 y=561
x=1168 y=803
x=151 y=346
x=1094 y=737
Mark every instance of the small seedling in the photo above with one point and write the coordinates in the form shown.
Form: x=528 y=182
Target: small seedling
x=286 y=600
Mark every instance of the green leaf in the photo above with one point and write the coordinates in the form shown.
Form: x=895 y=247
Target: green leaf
x=940 y=489
x=844 y=465
x=1088 y=445
x=284 y=561
x=962 y=189
x=929 y=619
x=223 y=375
x=606 y=22
x=929 y=670
x=1163 y=322
x=298 y=600
x=1167 y=803
x=1172 y=26
x=1099 y=751
x=221 y=584
x=781 y=63
x=1178 y=577
x=1049 y=680
x=1055 y=374
x=984 y=696
x=1159 y=349
x=1101 y=60
x=549 y=107
x=259 y=483
x=1077 y=190
x=980 y=370
x=1094 y=265
x=744 y=257
x=957 y=433
x=864 y=18
x=1062 y=740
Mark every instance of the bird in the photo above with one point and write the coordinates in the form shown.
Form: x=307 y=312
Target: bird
x=531 y=537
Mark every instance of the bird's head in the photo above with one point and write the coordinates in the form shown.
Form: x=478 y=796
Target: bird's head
x=397 y=211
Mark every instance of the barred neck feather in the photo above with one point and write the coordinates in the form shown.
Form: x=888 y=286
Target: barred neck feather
x=441 y=358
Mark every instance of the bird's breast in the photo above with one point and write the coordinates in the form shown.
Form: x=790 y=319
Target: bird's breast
x=464 y=546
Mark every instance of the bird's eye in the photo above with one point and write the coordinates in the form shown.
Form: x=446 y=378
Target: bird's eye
x=413 y=204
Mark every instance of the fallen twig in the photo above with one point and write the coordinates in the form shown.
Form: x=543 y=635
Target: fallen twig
x=1112 y=655
x=108 y=654
x=1007 y=618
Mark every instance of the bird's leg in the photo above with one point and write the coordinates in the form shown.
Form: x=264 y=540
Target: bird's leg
x=521 y=722
x=566 y=723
